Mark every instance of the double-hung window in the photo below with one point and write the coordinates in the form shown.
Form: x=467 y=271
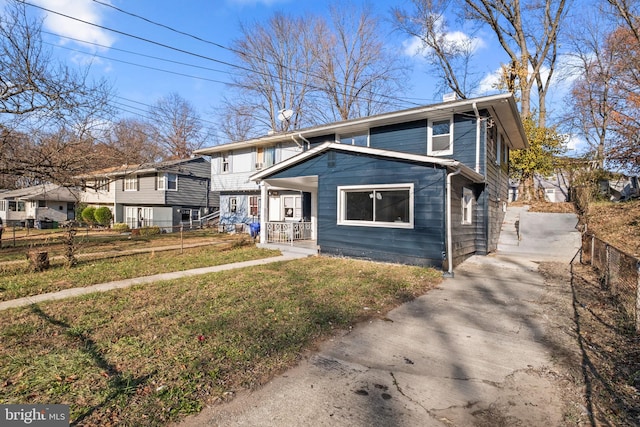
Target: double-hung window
x=467 y=206
x=168 y=181
x=131 y=183
x=254 y=205
x=225 y=163
x=389 y=205
x=440 y=137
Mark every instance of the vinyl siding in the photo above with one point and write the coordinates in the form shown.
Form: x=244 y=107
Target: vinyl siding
x=410 y=137
x=422 y=245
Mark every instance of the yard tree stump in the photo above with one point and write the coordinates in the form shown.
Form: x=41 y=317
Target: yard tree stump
x=38 y=260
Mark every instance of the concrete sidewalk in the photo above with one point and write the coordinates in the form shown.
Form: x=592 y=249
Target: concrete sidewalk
x=119 y=284
x=470 y=352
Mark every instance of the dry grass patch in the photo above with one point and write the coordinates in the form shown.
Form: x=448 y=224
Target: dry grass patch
x=617 y=223
x=151 y=354
x=18 y=281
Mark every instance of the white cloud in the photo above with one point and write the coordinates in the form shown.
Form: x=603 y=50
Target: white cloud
x=85 y=10
x=454 y=40
x=489 y=82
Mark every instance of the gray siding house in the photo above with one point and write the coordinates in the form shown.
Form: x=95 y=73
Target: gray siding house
x=165 y=194
x=424 y=186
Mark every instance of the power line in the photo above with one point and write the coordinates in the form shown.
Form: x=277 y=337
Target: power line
x=266 y=74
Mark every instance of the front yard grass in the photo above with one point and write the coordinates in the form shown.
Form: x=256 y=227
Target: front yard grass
x=18 y=281
x=152 y=354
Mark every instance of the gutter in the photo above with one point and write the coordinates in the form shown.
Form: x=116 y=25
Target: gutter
x=475 y=109
x=449 y=273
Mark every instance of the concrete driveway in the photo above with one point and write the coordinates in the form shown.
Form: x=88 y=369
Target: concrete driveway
x=471 y=352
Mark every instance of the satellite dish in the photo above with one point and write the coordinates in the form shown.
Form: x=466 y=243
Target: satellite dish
x=284 y=114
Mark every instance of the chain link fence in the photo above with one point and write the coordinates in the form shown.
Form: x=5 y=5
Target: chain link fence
x=619 y=274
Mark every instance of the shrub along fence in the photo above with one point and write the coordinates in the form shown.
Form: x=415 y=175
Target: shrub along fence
x=619 y=273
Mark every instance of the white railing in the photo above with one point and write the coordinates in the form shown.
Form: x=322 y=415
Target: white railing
x=288 y=232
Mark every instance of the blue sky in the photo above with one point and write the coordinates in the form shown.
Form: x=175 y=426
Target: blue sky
x=112 y=55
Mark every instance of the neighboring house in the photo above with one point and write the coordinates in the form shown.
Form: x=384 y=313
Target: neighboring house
x=554 y=186
x=233 y=164
x=165 y=194
x=618 y=189
x=421 y=186
x=33 y=206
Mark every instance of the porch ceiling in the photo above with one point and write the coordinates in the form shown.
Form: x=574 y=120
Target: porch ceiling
x=302 y=183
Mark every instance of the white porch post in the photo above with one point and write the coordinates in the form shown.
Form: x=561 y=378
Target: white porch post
x=314 y=214
x=264 y=211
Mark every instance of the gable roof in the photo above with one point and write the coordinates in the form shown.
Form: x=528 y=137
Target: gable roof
x=503 y=107
x=388 y=154
x=41 y=192
x=140 y=168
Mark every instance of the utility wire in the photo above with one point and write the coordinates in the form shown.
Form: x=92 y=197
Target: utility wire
x=186 y=52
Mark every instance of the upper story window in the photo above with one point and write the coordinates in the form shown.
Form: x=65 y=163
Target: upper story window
x=376 y=206
x=225 y=163
x=131 y=183
x=440 y=137
x=359 y=138
x=168 y=181
x=101 y=184
x=265 y=157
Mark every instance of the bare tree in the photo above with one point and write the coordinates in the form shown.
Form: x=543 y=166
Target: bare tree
x=628 y=12
x=49 y=113
x=591 y=99
x=527 y=31
x=277 y=69
x=176 y=126
x=131 y=141
x=356 y=73
x=450 y=57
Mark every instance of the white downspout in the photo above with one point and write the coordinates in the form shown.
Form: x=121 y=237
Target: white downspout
x=264 y=204
x=475 y=109
x=449 y=273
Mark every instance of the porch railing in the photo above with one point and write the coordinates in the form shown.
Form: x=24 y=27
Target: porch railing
x=288 y=232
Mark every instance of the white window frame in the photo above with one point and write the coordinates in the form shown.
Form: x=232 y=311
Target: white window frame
x=349 y=138
x=225 y=162
x=233 y=204
x=342 y=205
x=131 y=183
x=467 y=206
x=102 y=185
x=430 y=150
x=164 y=181
x=255 y=205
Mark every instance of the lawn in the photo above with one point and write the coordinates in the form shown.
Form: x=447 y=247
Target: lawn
x=152 y=354
x=17 y=280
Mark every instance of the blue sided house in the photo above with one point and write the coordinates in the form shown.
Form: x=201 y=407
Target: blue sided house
x=424 y=186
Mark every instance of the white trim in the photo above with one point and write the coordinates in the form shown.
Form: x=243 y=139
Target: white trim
x=353 y=134
x=504 y=102
x=467 y=206
x=466 y=171
x=430 y=136
x=131 y=183
x=341 y=205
